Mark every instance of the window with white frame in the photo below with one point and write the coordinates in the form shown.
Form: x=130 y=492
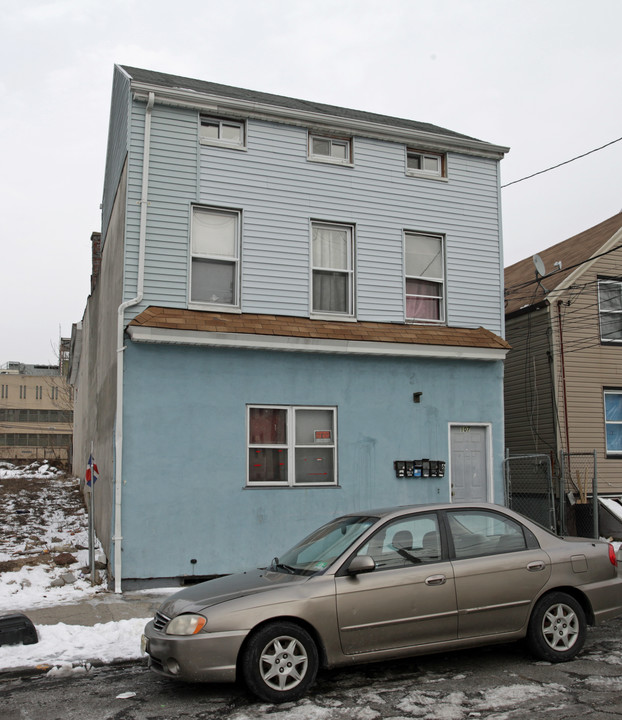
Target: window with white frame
x=215 y=256
x=220 y=131
x=330 y=149
x=332 y=268
x=425 y=163
x=291 y=446
x=613 y=421
x=610 y=310
x=424 y=261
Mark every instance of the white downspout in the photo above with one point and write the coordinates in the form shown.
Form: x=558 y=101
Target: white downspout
x=118 y=474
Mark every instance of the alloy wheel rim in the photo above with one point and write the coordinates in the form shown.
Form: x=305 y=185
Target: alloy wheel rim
x=560 y=627
x=283 y=663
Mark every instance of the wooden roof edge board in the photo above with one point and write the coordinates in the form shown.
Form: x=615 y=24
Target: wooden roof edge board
x=305 y=327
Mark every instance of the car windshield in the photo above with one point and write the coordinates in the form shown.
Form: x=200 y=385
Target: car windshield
x=318 y=550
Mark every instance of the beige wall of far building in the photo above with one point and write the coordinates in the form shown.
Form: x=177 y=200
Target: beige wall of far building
x=36 y=415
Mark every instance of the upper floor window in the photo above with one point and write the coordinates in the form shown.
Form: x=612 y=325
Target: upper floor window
x=425 y=163
x=610 y=310
x=332 y=269
x=219 y=131
x=215 y=257
x=5 y=392
x=289 y=446
x=613 y=421
x=22 y=392
x=425 y=277
x=330 y=149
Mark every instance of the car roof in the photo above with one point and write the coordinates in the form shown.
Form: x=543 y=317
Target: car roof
x=407 y=509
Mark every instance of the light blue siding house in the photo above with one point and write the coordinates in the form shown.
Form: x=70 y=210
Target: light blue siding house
x=298 y=314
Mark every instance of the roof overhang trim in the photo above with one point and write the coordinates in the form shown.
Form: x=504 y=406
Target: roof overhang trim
x=179 y=97
x=142 y=334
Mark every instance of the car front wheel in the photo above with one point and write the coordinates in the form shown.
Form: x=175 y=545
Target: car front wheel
x=557 y=628
x=280 y=662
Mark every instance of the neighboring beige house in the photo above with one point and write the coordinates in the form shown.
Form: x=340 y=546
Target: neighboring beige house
x=563 y=376
x=36 y=412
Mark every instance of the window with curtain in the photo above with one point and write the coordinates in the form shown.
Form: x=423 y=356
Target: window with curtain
x=332 y=269
x=425 y=277
x=610 y=310
x=215 y=257
x=613 y=421
x=290 y=446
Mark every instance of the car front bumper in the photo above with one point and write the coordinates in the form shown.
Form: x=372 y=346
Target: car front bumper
x=204 y=657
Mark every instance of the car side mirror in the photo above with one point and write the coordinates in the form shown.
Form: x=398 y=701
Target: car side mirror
x=361 y=564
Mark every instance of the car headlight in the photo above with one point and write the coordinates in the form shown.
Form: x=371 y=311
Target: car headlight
x=185 y=625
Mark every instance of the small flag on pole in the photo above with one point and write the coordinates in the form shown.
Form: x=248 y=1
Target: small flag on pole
x=92 y=472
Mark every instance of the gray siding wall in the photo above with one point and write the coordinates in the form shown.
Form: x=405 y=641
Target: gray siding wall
x=528 y=385
x=117 y=143
x=95 y=403
x=280 y=192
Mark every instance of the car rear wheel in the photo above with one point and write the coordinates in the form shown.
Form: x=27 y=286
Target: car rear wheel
x=557 y=627
x=280 y=662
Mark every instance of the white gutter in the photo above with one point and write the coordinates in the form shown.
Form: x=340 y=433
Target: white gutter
x=179 y=97
x=118 y=473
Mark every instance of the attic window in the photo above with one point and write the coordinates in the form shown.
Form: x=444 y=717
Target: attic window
x=425 y=163
x=330 y=149
x=220 y=131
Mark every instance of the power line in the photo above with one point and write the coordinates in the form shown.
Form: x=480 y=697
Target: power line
x=553 y=167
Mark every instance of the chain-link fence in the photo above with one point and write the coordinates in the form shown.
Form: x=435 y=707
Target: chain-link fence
x=579 y=501
x=529 y=488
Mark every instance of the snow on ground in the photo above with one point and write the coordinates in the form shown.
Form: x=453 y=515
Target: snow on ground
x=45 y=526
x=62 y=645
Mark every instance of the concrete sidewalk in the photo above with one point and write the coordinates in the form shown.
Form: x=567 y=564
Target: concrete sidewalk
x=100 y=609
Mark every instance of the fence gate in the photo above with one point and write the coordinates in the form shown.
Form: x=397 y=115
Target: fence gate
x=529 y=488
x=579 y=497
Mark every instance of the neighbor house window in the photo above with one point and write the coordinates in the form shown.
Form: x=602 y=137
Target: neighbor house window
x=424 y=163
x=610 y=310
x=218 y=131
x=330 y=149
x=613 y=421
x=215 y=257
x=291 y=446
x=332 y=269
x=425 y=277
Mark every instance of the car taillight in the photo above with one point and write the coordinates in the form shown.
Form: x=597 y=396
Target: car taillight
x=613 y=558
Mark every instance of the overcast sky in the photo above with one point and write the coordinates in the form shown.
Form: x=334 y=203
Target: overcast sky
x=543 y=77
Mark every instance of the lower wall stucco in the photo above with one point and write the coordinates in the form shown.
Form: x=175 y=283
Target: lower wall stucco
x=184 y=464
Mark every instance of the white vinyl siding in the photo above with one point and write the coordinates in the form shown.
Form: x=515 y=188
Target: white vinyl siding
x=280 y=193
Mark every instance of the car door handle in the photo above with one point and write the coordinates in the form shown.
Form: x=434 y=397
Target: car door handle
x=436 y=580
x=535 y=566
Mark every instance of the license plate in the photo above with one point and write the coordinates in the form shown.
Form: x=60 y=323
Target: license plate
x=144 y=644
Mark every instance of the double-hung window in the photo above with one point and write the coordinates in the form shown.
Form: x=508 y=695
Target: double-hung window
x=424 y=261
x=215 y=257
x=332 y=269
x=291 y=446
x=613 y=421
x=219 y=131
x=610 y=310
x=330 y=149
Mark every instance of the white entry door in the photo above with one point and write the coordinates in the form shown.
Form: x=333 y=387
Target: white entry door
x=469 y=463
